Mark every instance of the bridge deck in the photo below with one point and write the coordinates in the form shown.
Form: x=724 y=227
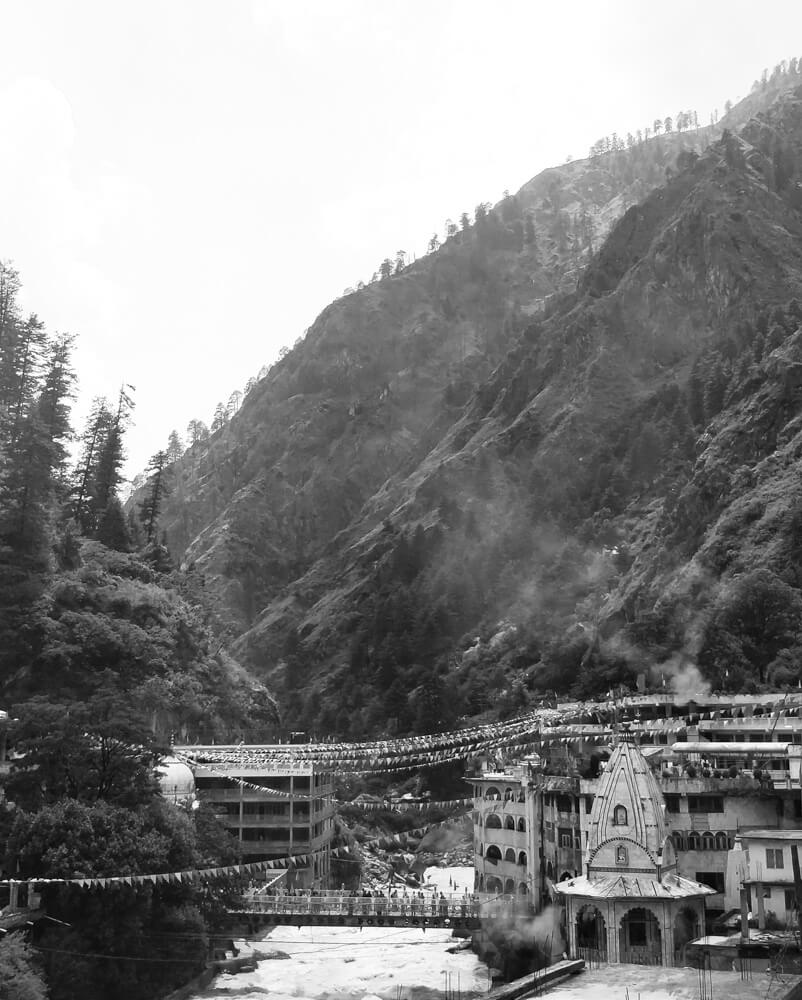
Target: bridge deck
x=456 y=912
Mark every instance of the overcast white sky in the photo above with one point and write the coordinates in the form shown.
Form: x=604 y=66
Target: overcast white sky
x=186 y=184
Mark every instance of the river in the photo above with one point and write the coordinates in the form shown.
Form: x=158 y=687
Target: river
x=344 y=963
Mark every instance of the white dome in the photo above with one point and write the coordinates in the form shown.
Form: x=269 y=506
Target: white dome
x=176 y=780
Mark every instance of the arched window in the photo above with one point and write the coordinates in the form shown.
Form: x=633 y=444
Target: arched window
x=621 y=856
x=521 y=825
x=509 y=887
x=721 y=841
x=508 y=794
x=522 y=858
x=679 y=841
x=619 y=816
x=493 y=853
x=523 y=889
x=493 y=822
x=509 y=855
x=509 y=823
x=694 y=841
x=493 y=793
x=521 y=796
x=565 y=875
x=708 y=842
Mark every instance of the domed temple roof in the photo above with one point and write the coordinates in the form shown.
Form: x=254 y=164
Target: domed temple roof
x=176 y=780
x=628 y=809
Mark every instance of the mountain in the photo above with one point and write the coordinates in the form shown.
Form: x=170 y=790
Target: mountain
x=555 y=454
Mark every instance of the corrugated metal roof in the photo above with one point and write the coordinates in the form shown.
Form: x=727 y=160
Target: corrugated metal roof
x=633 y=886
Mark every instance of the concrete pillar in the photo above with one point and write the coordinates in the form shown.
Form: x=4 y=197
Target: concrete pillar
x=13 y=895
x=611 y=921
x=744 y=915
x=570 y=926
x=761 y=907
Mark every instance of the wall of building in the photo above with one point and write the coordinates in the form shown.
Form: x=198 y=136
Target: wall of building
x=269 y=826
x=503 y=834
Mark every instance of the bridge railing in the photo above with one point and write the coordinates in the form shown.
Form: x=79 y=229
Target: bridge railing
x=334 y=903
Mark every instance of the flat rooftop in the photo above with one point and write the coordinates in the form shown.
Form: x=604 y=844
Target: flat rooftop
x=611 y=982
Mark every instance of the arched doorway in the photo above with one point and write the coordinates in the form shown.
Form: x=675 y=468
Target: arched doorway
x=686 y=928
x=591 y=934
x=509 y=887
x=494 y=886
x=639 y=941
x=493 y=852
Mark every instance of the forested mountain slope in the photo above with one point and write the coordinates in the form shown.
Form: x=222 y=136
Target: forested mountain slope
x=383 y=372
x=452 y=496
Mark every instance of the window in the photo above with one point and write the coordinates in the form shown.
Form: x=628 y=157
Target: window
x=550 y=832
x=694 y=842
x=492 y=793
x=714 y=879
x=672 y=803
x=619 y=816
x=509 y=855
x=679 y=841
x=774 y=857
x=509 y=823
x=621 y=856
x=522 y=858
x=705 y=803
x=521 y=825
x=493 y=822
x=790 y=899
x=566 y=838
x=722 y=843
x=708 y=842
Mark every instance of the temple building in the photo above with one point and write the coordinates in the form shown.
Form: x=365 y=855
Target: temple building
x=630 y=904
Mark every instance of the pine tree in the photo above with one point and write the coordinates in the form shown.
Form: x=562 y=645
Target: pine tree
x=219 y=418
x=112 y=529
x=151 y=505
x=530 y=236
x=100 y=419
x=30 y=473
x=20 y=365
x=175 y=447
x=110 y=457
x=715 y=390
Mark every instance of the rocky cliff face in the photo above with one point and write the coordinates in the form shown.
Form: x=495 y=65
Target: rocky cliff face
x=521 y=465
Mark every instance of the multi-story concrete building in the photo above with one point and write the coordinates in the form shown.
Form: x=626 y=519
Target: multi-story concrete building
x=274 y=810
x=725 y=777
x=504 y=817
x=760 y=864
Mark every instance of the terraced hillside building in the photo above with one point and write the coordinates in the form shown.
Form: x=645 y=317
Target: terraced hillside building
x=274 y=810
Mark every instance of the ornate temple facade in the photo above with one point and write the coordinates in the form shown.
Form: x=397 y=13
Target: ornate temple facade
x=630 y=904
